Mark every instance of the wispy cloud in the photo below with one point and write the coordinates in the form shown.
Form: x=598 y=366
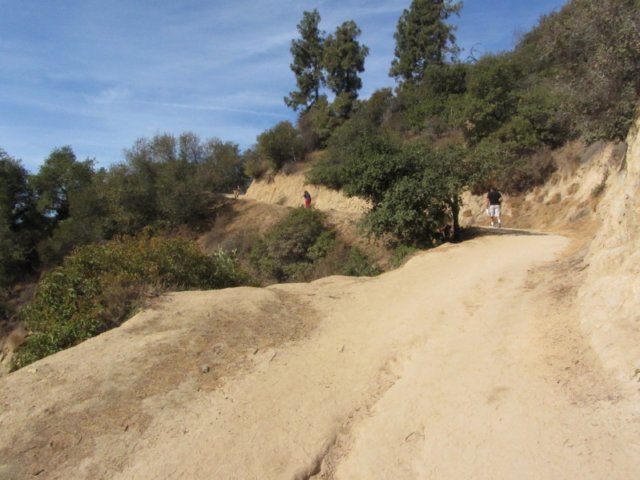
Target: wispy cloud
x=210 y=108
x=111 y=95
x=101 y=73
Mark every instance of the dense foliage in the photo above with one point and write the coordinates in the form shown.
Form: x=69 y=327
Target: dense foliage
x=318 y=61
x=101 y=285
x=165 y=182
x=21 y=225
x=414 y=189
x=423 y=38
x=590 y=52
x=280 y=145
x=302 y=246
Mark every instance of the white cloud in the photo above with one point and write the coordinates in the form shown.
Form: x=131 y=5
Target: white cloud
x=101 y=73
x=211 y=108
x=111 y=95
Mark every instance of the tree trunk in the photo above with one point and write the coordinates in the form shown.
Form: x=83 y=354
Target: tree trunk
x=455 y=211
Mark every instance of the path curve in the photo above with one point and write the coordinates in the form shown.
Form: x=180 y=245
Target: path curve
x=465 y=363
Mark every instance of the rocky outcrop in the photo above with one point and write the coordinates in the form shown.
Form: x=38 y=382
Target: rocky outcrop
x=610 y=296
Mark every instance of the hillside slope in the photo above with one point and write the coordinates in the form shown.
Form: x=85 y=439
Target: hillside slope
x=511 y=355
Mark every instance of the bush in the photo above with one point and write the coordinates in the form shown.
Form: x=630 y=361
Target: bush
x=349 y=149
x=431 y=103
x=291 y=246
x=358 y=264
x=100 y=286
x=401 y=252
x=357 y=138
x=21 y=226
x=491 y=99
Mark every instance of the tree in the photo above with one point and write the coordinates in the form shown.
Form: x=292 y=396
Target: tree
x=344 y=60
x=162 y=175
x=61 y=176
x=20 y=223
x=423 y=38
x=307 y=62
x=491 y=98
x=221 y=168
x=433 y=105
x=280 y=144
x=87 y=223
x=415 y=192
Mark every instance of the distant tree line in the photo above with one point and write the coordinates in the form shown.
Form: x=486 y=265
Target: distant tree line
x=164 y=182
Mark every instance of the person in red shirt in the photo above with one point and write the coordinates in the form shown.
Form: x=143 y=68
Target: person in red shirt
x=307 y=199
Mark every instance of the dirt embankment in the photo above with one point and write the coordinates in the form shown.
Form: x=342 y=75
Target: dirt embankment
x=287 y=190
x=610 y=295
x=268 y=200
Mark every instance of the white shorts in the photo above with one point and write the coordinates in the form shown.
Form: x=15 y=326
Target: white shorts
x=494 y=211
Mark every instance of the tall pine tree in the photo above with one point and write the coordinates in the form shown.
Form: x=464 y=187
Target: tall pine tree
x=423 y=38
x=344 y=61
x=307 y=54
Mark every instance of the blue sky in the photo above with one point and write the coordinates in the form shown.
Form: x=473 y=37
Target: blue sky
x=99 y=74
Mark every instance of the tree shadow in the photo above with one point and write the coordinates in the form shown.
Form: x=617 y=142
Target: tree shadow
x=470 y=233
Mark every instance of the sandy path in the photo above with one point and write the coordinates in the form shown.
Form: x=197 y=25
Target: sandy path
x=465 y=363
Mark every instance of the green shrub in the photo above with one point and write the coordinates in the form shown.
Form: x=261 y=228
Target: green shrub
x=401 y=252
x=291 y=246
x=291 y=239
x=301 y=247
x=432 y=103
x=352 y=142
x=502 y=164
x=491 y=97
x=322 y=246
x=100 y=286
x=358 y=264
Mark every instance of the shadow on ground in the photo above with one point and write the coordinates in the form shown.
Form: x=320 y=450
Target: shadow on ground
x=475 y=232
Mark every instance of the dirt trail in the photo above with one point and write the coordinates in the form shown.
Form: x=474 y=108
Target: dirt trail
x=465 y=363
